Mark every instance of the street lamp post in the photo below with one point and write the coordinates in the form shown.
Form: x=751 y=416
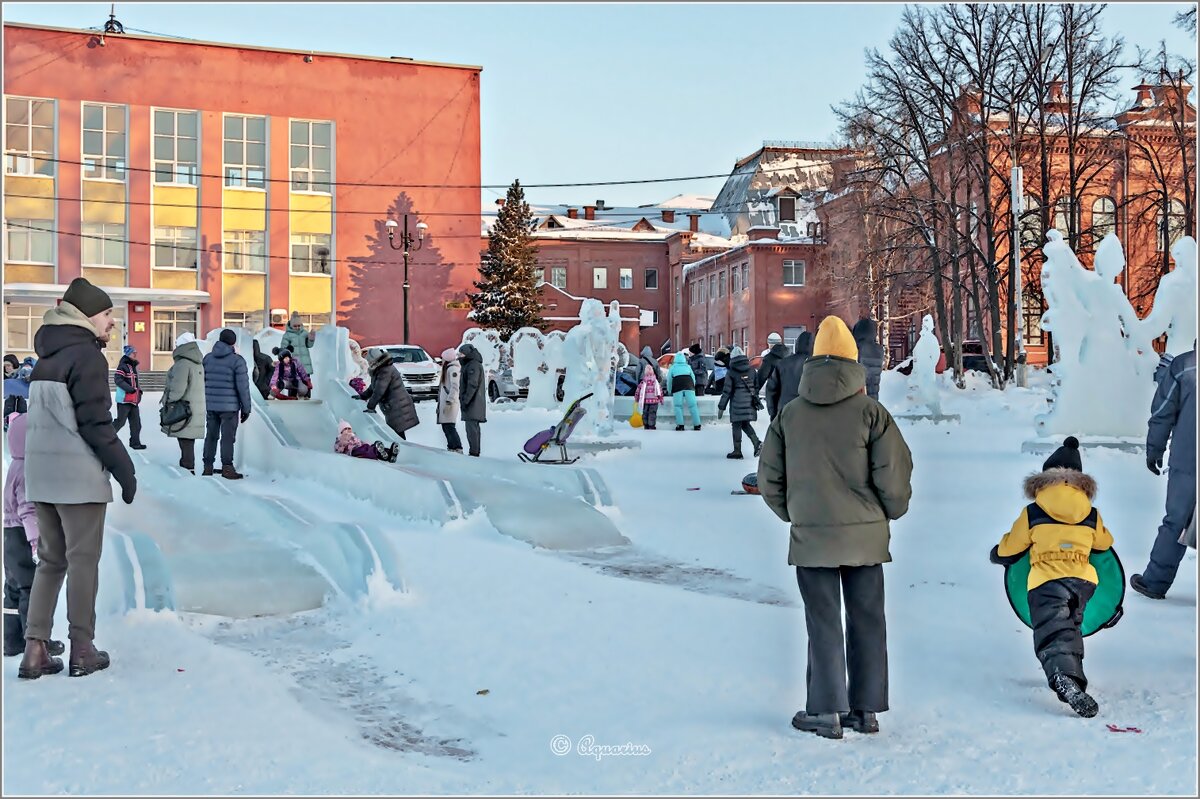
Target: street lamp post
x=407 y=242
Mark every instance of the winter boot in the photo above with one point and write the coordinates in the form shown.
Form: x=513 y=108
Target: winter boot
x=86 y=659
x=1138 y=584
x=457 y=451
x=860 y=721
x=392 y=452
x=55 y=647
x=37 y=661
x=736 y=455
x=697 y=427
x=757 y=448
x=678 y=428
x=381 y=450
x=137 y=446
x=230 y=473
x=826 y=725
x=185 y=467
x=1069 y=691
x=208 y=471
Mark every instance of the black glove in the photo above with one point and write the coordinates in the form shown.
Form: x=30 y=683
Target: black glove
x=245 y=416
x=1154 y=464
x=1001 y=560
x=127 y=492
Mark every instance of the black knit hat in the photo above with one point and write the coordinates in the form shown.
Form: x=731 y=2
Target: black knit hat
x=694 y=349
x=228 y=336
x=1065 y=457
x=87 y=298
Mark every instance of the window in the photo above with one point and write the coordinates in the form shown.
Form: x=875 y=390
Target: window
x=790 y=334
x=1104 y=218
x=170 y=325
x=653 y=318
x=600 y=277
x=311 y=155
x=746 y=276
x=30 y=241
x=712 y=287
x=176 y=146
x=721 y=283
x=1031 y=319
x=558 y=277
x=314 y=321
x=539 y=277
x=1031 y=223
x=245 y=251
x=103 y=141
x=246 y=152
x=28 y=136
x=711 y=348
x=745 y=339
x=1175 y=228
x=733 y=281
x=787 y=209
x=626 y=278
x=720 y=340
x=175 y=248
x=651 y=278
x=103 y=244
x=793 y=273
x=310 y=253
x=1066 y=216
x=814 y=230
x=251 y=320
x=678 y=299
x=23 y=323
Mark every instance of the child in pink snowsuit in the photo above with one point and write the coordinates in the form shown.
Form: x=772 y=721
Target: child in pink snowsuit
x=649 y=397
x=347 y=443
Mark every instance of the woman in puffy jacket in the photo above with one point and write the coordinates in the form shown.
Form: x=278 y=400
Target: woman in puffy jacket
x=449 y=408
x=681 y=382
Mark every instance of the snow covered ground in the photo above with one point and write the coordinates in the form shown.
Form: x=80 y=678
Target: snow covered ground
x=688 y=646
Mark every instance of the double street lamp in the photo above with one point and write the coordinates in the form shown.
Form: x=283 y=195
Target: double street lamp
x=407 y=242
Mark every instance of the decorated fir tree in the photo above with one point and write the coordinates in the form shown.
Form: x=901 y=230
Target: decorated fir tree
x=508 y=297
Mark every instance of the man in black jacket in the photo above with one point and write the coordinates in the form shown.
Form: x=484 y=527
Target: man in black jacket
x=770 y=362
x=870 y=354
x=699 y=368
x=71 y=449
x=226 y=402
x=783 y=385
x=472 y=395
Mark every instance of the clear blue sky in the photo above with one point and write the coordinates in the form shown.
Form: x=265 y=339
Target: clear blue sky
x=588 y=92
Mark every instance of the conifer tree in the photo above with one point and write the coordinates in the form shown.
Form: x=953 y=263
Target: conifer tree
x=508 y=297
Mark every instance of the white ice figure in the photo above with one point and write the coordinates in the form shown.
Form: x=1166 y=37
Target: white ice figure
x=1174 y=311
x=922 y=381
x=357 y=365
x=1103 y=376
x=529 y=356
x=588 y=350
x=489 y=345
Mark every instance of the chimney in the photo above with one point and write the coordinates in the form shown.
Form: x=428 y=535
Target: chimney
x=600 y=205
x=572 y=213
x=589 y=212
x=668 y=215
x=694 y=223
x=1145 y=94
x=763 y=232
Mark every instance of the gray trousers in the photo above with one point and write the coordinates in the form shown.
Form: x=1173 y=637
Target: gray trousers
x=1167 y=552
x=69 y=544
x=473 y=438
x=221 y=425
x=863 y=649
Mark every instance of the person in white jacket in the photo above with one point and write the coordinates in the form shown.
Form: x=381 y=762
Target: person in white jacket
x=449 y=407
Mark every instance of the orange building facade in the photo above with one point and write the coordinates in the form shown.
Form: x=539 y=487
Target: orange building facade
x=207 y=184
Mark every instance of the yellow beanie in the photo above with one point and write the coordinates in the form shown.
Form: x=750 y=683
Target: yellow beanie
x=834 y=338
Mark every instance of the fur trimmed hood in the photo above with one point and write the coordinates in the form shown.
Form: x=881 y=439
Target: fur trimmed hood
x=1040 y=481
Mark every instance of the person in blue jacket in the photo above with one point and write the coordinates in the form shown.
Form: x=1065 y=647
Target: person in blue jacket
x=681 y=382
x=16 y=391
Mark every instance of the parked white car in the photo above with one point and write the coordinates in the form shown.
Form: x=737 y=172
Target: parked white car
x=420 y=371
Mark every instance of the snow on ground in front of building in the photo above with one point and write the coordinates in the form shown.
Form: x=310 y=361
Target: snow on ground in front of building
x=690 y=645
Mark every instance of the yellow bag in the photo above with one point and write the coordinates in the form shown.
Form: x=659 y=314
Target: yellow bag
x=636 y=419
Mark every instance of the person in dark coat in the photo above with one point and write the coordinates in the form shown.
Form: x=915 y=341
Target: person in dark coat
x=647 y=359
x=777 y=352
x=716 y=382
x=1172 y=418
x=389 y=393
x=870 y=354
x=740 y=395
x=783 y=385
x=289 y=381
x=226 y=402
x=836 y=468
x=11 y=365
x=699 y=368
x=16 y=391
x=264 y=367
x=129 y=397
x=71 y=451
x=472 y=395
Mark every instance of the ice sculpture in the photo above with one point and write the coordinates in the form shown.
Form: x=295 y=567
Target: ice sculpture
x=1174 y=311
x=589 y=350
x=531 y=362
x=922 y=381
x=489 y=345
x=1103 y=373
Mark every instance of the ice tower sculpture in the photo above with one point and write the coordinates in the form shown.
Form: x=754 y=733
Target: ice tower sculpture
x=588 y=350
x=1103 y=371
x=922 y=382
x=1174 y=311
x=530 y=362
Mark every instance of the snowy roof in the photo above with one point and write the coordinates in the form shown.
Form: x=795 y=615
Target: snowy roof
x=554 y=218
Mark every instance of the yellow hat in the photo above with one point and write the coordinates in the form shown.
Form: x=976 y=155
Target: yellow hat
x=834 y=338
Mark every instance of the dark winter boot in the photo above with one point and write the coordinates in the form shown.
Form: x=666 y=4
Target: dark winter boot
x=757 y=447
x=736 y=455
x=678 y=428
x=186 y=468
x=697 y=427
x=381 y=450
x=826 y=725
x=230 y=473
x=37 y=661
x=55 y=647
x=1069 y=691
x=137 y=446
x=86 y=659
x=208 y=471
x=1138 y=584
x=860 y=721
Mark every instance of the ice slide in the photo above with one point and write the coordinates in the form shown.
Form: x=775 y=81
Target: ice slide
x=551 y=508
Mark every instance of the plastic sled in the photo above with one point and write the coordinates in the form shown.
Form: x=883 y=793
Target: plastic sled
x=536 y=447
x=1103 y=610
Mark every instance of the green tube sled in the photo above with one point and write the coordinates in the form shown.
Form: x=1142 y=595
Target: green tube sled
x=1104 y=609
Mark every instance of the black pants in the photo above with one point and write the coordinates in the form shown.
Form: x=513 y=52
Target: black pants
x=452 y=439
x=187 y=453
x=863 y=649
x=474 y=439
x=1056 y=610
x=18 y=581
x=221 y=425
x=134 y=415
x=738 y=429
